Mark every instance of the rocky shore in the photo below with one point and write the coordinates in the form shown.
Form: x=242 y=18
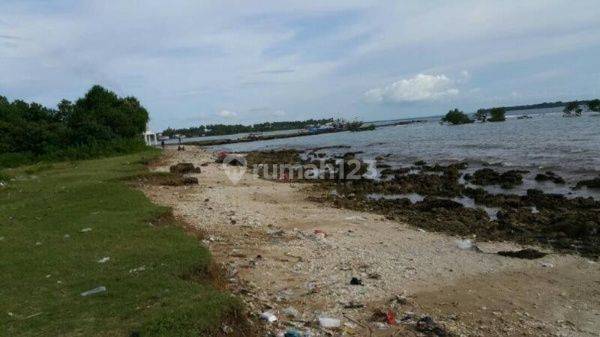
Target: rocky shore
x=409 y=253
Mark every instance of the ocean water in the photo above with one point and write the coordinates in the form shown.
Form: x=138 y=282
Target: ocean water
x=546 y=141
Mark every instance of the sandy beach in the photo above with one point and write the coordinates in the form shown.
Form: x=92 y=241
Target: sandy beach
x=297 y=257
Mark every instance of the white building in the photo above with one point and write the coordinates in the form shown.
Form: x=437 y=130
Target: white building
x=150 y=138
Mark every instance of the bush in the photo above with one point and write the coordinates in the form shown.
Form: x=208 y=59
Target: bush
x=456 y=117
x=497 y=115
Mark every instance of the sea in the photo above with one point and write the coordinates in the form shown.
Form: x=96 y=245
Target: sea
x=544 y=141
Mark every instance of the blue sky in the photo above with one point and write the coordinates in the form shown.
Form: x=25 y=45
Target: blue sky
x=198 y=62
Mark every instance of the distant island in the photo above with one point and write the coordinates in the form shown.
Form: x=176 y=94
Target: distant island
x=227 y=129
x=544 y=105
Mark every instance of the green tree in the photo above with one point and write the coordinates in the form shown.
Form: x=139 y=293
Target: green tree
x=497 y=115
x=572 y=109
x=481 y=115
x=594 y=105
x=455 y=117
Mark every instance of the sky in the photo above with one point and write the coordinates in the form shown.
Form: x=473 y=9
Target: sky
x=201 y=62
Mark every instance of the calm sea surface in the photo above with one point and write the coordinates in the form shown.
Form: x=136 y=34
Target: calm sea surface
x=546 y=141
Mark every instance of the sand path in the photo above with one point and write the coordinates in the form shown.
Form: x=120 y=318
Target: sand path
x=264 y=232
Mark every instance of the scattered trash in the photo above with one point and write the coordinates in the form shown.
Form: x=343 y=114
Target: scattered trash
x=292 y=333
x=356 y=281
x=428 y=325
x=329 y=323
x=85 y=230
x=66 y=236
x=547 y=265
x=530 y=254
x=319 y=232
x=104 y=259
x=390 y=318
x=421 y=230
x=226 y=329
x=138 y=269
x=268 y=316
x=464 y=244
x=381 y=325
x=38 y=243
x=94 y=291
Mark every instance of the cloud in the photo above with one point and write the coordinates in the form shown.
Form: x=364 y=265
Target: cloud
x=227 y=114
x=421 y=87
x=279 y=113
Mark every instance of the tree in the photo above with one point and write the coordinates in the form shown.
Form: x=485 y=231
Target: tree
x=594 y=105
x=455 y=117
x=497 y=115
x=572 y=109
x=481 y=115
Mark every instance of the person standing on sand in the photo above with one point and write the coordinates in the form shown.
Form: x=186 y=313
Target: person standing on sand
x=162 y=144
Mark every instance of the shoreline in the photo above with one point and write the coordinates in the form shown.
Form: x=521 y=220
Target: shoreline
x=283 y=250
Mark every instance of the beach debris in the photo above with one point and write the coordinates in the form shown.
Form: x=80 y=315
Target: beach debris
x=390 y=317
x=464 y=244
x=427 y=325
x=94 y=291
x=355 y=281
x=547 y=265
x=38 y=243
x=292 y=333
x=329 y=323
x=104 y=259
x=268 y=316
x=529 y=254
x=184 y=168
x=66 y=236
x=221 y=156
x=85 y=230
x=381 y=325
x=136 y=270
x=226 y=329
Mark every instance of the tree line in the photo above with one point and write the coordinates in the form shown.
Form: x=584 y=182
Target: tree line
x=571 y=109
x=229 y=129
x=99 y=123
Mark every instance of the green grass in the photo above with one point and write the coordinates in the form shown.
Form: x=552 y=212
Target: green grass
x=46 y=261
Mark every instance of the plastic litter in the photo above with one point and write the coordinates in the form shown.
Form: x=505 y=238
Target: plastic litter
x=329 y=323
x=268 y=316
x=355 y=281
x=104 y=259
x=292 y=333
x=464 y=244
x=87 y=229
x=547 y=265
x=94 y=291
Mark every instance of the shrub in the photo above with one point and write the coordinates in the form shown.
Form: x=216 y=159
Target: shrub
x=456 y=117
x=497 y=115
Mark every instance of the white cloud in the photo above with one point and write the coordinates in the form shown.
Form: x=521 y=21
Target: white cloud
x=279 y=113
x=227 y=114
x=421 y=87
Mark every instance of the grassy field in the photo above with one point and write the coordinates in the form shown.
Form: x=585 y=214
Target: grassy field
x=58 y=225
